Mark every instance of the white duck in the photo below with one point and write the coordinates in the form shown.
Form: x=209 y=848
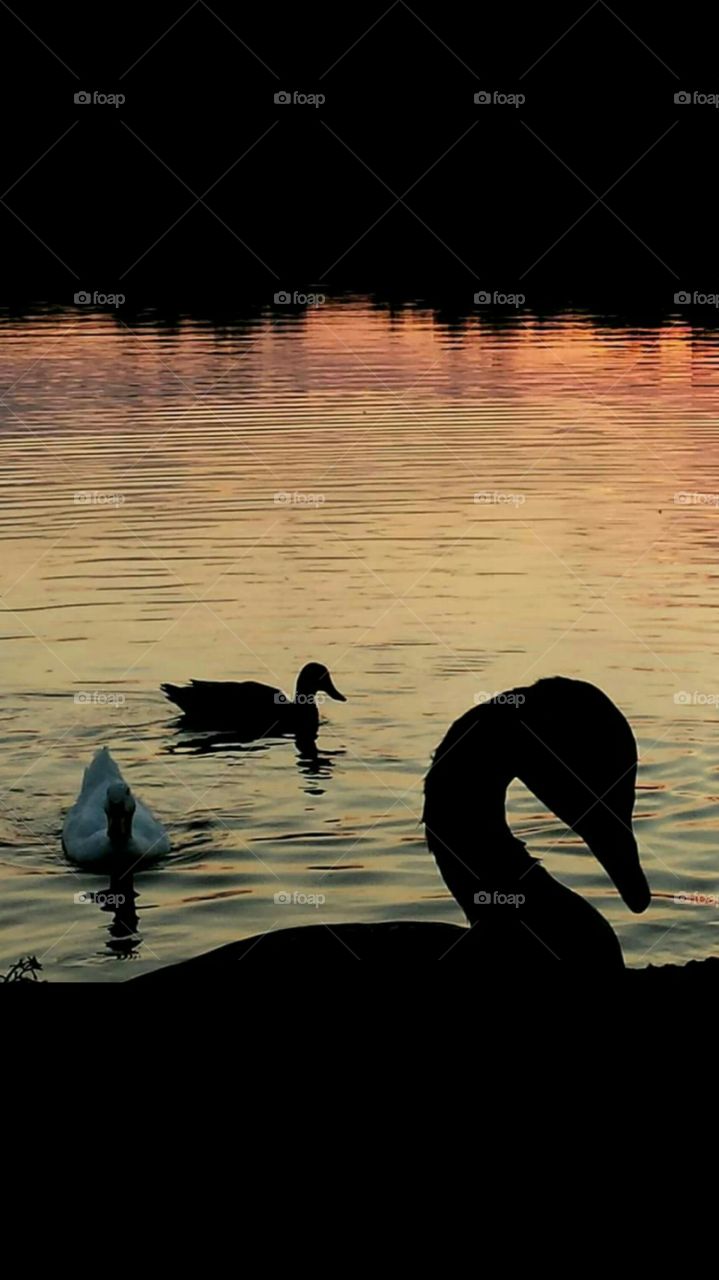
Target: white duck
x=107 y=825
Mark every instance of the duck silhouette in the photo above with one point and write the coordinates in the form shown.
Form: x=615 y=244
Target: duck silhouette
x=256 y=710
x=573 y=748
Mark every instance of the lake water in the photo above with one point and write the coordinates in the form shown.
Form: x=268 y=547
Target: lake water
x=435 y=512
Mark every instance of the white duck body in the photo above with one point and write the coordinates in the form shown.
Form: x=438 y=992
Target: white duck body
x=107 y=824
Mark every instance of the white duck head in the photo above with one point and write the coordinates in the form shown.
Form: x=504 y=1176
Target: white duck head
x=572 y=747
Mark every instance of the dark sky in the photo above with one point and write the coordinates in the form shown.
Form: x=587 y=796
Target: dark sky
x=199 y=183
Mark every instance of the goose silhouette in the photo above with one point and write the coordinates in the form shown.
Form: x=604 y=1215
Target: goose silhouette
x=573 y=748
x=256 y=710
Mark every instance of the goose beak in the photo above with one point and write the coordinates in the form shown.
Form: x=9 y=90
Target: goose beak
x=621 y=863
x=329 y=688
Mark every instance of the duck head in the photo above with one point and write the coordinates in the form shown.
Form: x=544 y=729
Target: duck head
x=120 y=808
x=314 y=678
x=571 y=746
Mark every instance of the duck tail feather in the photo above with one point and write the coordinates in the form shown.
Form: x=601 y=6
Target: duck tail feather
x=175 y=693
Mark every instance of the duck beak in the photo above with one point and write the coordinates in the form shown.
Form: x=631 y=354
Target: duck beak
x=329 y=688
x=620 y=860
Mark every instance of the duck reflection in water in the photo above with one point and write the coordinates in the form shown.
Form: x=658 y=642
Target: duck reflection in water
x=310 y=762
x=313 y=765
x=119 y=900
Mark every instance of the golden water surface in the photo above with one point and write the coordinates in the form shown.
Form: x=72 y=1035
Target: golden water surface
x=437 y=512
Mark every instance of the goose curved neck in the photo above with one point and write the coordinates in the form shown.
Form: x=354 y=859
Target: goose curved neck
x=465 y=806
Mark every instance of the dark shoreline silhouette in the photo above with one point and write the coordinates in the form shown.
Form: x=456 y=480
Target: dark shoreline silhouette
x=454 y=312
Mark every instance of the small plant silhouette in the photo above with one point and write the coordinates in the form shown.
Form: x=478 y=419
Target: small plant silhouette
x=25 y=969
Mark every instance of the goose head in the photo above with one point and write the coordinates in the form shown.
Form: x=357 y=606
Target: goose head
x=314 y=678
x=577 y=753
x=572 y=747
x=120 y=808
